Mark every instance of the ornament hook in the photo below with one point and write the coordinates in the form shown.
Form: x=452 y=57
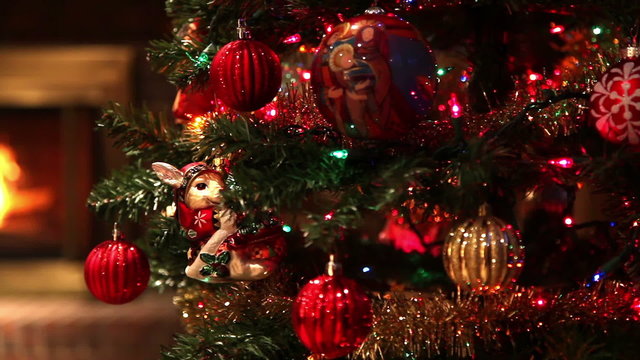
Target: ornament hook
x=243 y=30
x=115 y=232
x=333 y=268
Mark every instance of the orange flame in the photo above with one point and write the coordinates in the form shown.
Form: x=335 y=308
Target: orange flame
x=9 y=175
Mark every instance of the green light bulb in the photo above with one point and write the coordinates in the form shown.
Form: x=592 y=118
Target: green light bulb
x=340 y=154
x=203 y=59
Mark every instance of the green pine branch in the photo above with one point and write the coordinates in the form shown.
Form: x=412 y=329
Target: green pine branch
x=129 y=194
x=145 y=136
x=252 y=339
x=617 y=173
x=270 y=168
x=274 y=171
x=183 y=63
x=187 y=9
x=167 y=246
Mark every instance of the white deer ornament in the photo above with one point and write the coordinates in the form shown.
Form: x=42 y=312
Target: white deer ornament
x=218 y=253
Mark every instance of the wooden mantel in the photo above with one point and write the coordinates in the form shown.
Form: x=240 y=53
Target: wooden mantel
x=65 y=76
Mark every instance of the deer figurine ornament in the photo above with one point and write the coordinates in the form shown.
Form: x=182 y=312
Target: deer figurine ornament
x=217 y=253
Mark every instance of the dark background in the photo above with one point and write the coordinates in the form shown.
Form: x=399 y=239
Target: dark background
x=76 y=21
x=68 y=22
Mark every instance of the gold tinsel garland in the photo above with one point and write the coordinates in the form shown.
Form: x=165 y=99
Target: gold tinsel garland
x=434 y=324
x=426 y=324
x=232 y=302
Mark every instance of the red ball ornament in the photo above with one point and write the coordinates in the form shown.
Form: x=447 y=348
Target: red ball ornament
x=635 y=308
x=245 y=74
x=191 y=32
x=331 y=315
x=615 y=101
x=432 y=227
x=116 y=271
x=190 y=103
x=374 y=77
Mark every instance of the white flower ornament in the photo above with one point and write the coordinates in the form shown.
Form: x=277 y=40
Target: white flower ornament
x=615 y=103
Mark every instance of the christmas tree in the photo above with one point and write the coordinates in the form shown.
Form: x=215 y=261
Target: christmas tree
x=409 y=179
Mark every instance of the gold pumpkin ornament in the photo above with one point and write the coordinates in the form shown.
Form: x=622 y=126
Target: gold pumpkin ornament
x=483 y=254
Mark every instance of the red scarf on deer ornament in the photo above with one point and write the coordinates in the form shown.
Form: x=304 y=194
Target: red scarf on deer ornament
x=198 y=224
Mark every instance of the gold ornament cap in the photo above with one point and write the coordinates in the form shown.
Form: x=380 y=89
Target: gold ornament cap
x=630 y=52
x=375 y=9
x=484 y=210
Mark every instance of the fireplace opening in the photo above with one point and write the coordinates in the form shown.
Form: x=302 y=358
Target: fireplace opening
x=50 y=155
x=22 y=201
x=47 y=167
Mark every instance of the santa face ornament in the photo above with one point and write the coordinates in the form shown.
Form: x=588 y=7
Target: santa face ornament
x=374 y=77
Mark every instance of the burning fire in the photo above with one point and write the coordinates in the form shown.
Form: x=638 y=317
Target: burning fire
x=15 y=200
x=9 y=175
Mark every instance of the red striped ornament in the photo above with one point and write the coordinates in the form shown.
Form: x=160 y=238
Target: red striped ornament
x=332 y=316
x=245 y=75
x=116 y=271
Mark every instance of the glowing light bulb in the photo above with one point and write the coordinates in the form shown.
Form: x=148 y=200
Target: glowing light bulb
x=557 y=29
x=329 y=216
x=540 y=302
x=565 y=163
x=568 y=221
x=535 y=77
x=635 y=306
x=598 y=276
x=454 y=106
x=340 y=154
x=292 y=39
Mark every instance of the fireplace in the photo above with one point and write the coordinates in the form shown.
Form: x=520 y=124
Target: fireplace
x=50 y=157
x=49 y=154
